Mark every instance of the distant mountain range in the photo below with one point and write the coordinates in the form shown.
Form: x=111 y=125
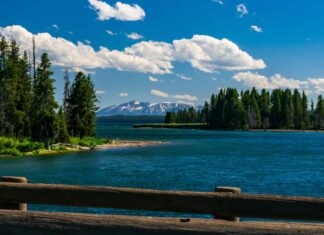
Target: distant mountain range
x=137 y=108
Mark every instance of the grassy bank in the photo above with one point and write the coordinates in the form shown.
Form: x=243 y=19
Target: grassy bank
x=27 y=147
x=174 y=125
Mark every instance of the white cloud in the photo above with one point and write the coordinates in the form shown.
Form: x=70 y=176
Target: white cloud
x=87 y=41
x=153 y=79
x=220 y=2
x=160 y=93
x=186 y=97
x=134 y=36
x=183 y=77
x=180 y=97
x=111 y=33
x=256 y=28
x=55 y=27
x=242 y=10
x=121 y=11
x=123 y=94
x=209 y=54
x=204 y=53
x=318 y=84
x=99 y=92
x=276 y=81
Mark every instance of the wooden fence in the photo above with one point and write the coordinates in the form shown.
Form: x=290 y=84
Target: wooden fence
x=225 y=204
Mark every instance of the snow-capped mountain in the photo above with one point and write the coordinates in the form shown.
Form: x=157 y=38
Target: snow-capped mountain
x=136 y=108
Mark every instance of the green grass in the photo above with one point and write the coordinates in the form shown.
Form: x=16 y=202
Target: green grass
x=90 y=142
x=20 y=147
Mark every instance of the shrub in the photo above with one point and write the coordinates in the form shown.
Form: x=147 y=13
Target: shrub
x=11 y=151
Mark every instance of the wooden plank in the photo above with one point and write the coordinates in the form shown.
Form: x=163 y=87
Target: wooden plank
x=9 y=205
x=34 y=223
x=236 y=205
x=222 y=189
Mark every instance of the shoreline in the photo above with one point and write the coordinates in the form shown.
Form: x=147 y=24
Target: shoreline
x=115 y=144
x=205 y=128
x=128 y=143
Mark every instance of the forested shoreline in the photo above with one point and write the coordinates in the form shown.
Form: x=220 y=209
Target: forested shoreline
x=251 y=109
x=29 y=113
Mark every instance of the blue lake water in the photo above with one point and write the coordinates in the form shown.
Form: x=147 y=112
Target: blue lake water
x=257 y=162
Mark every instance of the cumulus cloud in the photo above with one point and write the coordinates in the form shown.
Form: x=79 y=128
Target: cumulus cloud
x=123 y=94
x=242 y=10
x=204 y=53
x=159 y=93
x=121 y=11
x=318 y=84
x=209 y=54
x=256 y=28
x=276 y=81
x=153 y=79
x=134 y=36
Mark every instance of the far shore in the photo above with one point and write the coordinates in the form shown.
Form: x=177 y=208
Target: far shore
x=284 y=130
x=115 y=144
x=203 y=126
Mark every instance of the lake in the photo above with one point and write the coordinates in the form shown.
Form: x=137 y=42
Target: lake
x=266 y=163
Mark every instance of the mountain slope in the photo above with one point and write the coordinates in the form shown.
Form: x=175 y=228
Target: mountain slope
x=136 y=108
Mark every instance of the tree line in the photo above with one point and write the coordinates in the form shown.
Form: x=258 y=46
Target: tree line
x=28 y=108
x=251 y=109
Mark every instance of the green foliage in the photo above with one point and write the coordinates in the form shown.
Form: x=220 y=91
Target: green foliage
x=16 y=147
x=44 y=104
x=279 y=109
x=319 y=114
x=170 y=117
x=28 y=110
x=59 y=148
x=82 y=101
x=11 y=152
x=89 y=141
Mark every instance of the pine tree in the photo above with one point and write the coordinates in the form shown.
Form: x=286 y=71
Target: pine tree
x=3 y=90
x=66 y=98
x=297 y=110
x=305 y=116
x=234 y=111
x=44 y=105
x=61 y=128
x=287 y=109
x=264 y=105
x=170 y=117
x=276 y=109
x=83 y=107
x=220 y=111
x=319 y=114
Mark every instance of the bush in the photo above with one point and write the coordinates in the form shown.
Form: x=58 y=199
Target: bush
x=28 y=146
x=90 y=142
x=11 y=151
x=59 y=148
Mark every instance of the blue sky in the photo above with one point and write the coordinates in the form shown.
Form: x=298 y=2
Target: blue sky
x=239 y=44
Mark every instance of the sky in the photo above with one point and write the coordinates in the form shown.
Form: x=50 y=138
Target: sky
x=174 y=51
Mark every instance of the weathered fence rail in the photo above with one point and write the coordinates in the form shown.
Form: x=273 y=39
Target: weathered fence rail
x=39 y=223
x=213 y=203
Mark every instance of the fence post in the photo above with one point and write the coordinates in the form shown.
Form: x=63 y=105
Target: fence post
x=13 y=205
x=227 y=190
